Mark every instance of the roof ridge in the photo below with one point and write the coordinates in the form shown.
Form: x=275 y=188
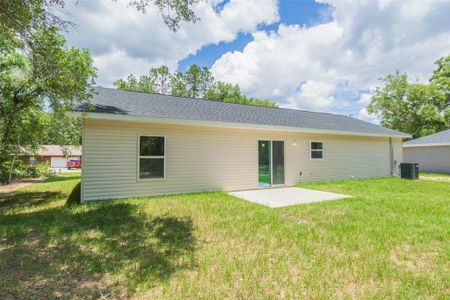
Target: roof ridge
x=231 y=103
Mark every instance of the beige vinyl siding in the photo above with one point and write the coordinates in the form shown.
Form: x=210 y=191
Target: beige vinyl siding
x=207 y=158
x=430 y=158
x=397 y=144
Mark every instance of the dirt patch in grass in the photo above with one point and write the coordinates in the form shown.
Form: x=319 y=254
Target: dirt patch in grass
x=297 y=219
x=435 y=178
x=413 y=259
x=356 y=290
x=18 y=185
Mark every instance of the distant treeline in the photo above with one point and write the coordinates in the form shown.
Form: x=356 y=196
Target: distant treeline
x=196 y=82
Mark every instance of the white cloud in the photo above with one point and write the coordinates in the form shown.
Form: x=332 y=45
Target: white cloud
x=124 y=41
x=313 y=95
x=307 y=67
x=364 y=115
x=365 y=99
x=276 y=62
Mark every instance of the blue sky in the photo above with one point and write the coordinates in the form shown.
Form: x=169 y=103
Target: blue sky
x=323 y=55
x=301 y=12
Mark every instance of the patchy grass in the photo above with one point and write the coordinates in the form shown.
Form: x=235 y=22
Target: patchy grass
x=390 y=241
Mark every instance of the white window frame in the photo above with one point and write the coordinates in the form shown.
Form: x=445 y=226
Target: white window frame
x=138 y=152
x=321 y=150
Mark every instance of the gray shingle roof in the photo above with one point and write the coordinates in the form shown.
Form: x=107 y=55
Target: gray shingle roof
x=442 y=137
x=113 y=101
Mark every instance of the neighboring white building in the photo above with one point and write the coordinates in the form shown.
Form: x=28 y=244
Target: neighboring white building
x=57 y=156
x=431 y=152
x=138 y=144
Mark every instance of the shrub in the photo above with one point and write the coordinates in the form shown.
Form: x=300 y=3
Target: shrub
x=24 y=170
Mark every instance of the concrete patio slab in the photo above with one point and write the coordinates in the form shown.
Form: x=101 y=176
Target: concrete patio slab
x=280 y=197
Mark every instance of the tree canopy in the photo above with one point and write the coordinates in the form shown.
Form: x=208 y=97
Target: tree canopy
x=40 y=77
x=24 y=16
x=196 y=82
x=414 y=108
x=441 y=77
x=48 y=77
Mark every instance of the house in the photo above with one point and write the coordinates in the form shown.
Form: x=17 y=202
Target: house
x=57 y=156
x=432 y=152
x=138 y=144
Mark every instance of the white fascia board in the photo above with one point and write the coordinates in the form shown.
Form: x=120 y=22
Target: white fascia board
x=425 y=145
x=174 y=121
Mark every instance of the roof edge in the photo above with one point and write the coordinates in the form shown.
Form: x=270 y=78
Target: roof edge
x=175 y=121
x=406 y=145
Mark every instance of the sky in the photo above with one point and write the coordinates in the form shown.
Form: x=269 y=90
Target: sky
x=323 y=55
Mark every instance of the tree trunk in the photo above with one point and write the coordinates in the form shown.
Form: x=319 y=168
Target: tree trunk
x=11 y=168
x=9 y=122
x=6 y=173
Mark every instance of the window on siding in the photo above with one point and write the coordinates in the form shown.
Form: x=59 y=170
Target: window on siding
x=316 y=150
x=151 y=157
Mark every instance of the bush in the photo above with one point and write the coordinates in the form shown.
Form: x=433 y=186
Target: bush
x=24 y=170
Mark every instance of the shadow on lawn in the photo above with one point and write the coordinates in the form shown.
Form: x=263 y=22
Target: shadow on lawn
x=75 y=195
x=21 y=199
x=89 y=251
x=61 y=178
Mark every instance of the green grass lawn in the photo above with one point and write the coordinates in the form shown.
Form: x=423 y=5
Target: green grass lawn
x=390 y=241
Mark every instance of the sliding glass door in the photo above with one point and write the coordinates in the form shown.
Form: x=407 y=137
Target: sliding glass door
x=264 y=164
x=277 y=162
x=270 y=163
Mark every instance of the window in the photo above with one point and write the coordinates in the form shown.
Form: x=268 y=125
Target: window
x=151 y=157
x=316 y=150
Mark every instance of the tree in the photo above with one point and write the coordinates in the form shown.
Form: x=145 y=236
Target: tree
x=226 y=92
x=143 y=84
x=48 y=76
x=178 y=86
x=23 y=17
x=414 y=108
x=172 y=11
x=161 y=78
x=441 y=81
x=158 y=80
x=441 y=76
x=196 y=82
x=60 y=130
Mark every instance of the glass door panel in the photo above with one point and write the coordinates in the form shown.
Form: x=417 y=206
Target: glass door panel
x=278 y=162
x=264 y=164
